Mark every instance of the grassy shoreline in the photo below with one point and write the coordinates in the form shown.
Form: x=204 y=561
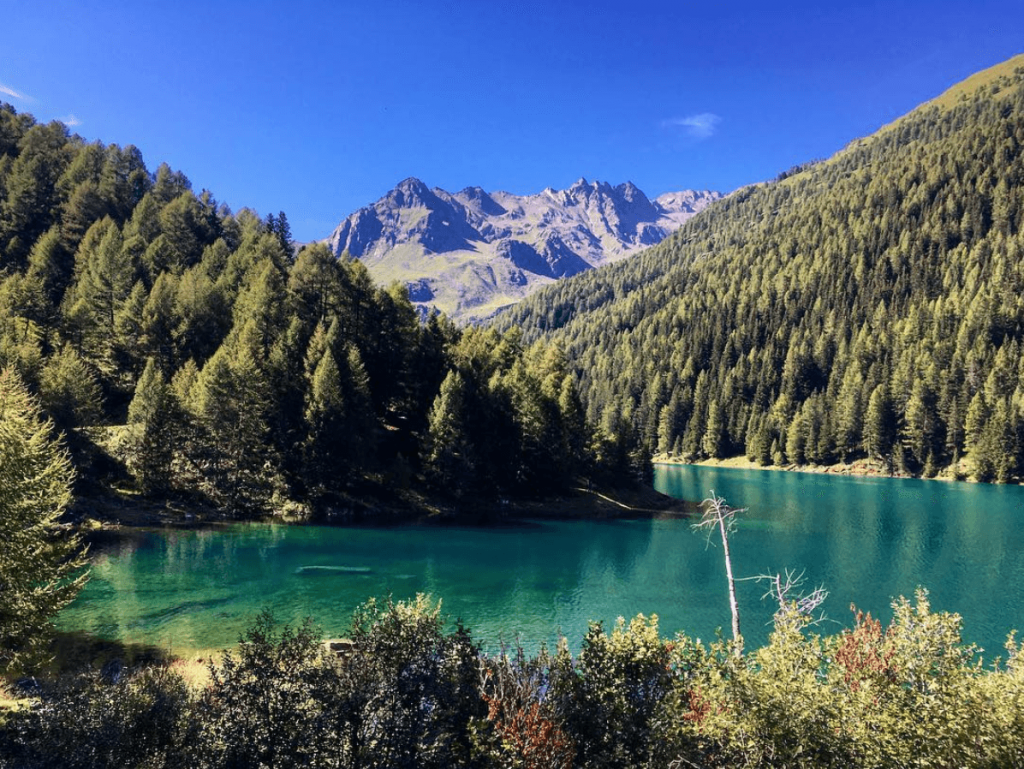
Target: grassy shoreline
x=868 y=468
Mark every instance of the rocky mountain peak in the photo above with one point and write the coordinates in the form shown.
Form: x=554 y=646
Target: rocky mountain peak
x=630 y=192
x=411 y=192
x=582 y=189
x=475 y=198
x=472 y=252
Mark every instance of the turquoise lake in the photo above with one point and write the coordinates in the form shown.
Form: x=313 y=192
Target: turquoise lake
x=865 y=540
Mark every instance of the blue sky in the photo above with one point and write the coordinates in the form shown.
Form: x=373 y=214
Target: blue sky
x=319 y=108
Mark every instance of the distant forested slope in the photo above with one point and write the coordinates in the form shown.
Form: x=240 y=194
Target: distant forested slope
x=870 y=304
x=185 y=349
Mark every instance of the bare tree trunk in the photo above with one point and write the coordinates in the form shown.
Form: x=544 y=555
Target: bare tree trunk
x=717 y=513
x=733 y=605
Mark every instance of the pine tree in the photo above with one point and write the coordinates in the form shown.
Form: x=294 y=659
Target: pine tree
x=759 y=440
x=448 y=455
x=921 y=426
x=536 y=460
x=262 y=306
x=153 y=429
x=144 y=223
x=574 y=427
x=713 y=444
x=325 y=414
x=797 y=439
x=315 y=284
x=104 y=284
x=181 y=227
x=671 y=422
x=315 y=349
x=21 y=347
x=233 y=400
x=849 y=414
x=52 y=266
x=150 y=395
x=202 y=315
x=697 y=426
x=994 y=451
x=127 y=349
x=30 y=206
x=880 y=426
x=183 y=385
x=68 y=390
x=40 y=566
x=977 y=418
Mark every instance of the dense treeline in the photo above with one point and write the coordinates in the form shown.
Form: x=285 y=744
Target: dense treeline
x=185 y=348
x=412 y=694
x=866 y=305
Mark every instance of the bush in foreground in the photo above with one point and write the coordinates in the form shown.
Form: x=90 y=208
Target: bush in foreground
x=413 y=694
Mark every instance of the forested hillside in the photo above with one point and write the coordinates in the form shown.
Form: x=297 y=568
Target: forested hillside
x=866 y=305
x=185 y=349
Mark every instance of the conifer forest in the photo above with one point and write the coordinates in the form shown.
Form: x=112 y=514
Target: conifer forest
x=867 y=305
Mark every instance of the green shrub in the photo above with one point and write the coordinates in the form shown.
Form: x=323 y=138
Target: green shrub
x=606 y=699
x=412 y=694
x=90 y=723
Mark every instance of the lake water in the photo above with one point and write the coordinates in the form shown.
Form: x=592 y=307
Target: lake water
x=866 y=540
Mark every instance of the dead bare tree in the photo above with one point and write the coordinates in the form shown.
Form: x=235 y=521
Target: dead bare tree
x=784 y=590
x=718 y=514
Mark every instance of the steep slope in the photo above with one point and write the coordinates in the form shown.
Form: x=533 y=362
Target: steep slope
x=473 y=252
x=868 y=304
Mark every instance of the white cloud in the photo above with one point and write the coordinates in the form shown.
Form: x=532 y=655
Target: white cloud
x=70 y=121
x=696 y=126
x=8 y=91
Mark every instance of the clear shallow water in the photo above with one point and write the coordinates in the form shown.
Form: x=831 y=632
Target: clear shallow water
x=867 y=540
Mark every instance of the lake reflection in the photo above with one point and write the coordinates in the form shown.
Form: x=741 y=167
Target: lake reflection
x=865 y=540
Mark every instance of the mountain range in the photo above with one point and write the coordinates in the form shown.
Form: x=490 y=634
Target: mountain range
x=471 y=253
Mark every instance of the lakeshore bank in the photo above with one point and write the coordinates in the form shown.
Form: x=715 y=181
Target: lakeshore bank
x=109 y=511
x=861 y=467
